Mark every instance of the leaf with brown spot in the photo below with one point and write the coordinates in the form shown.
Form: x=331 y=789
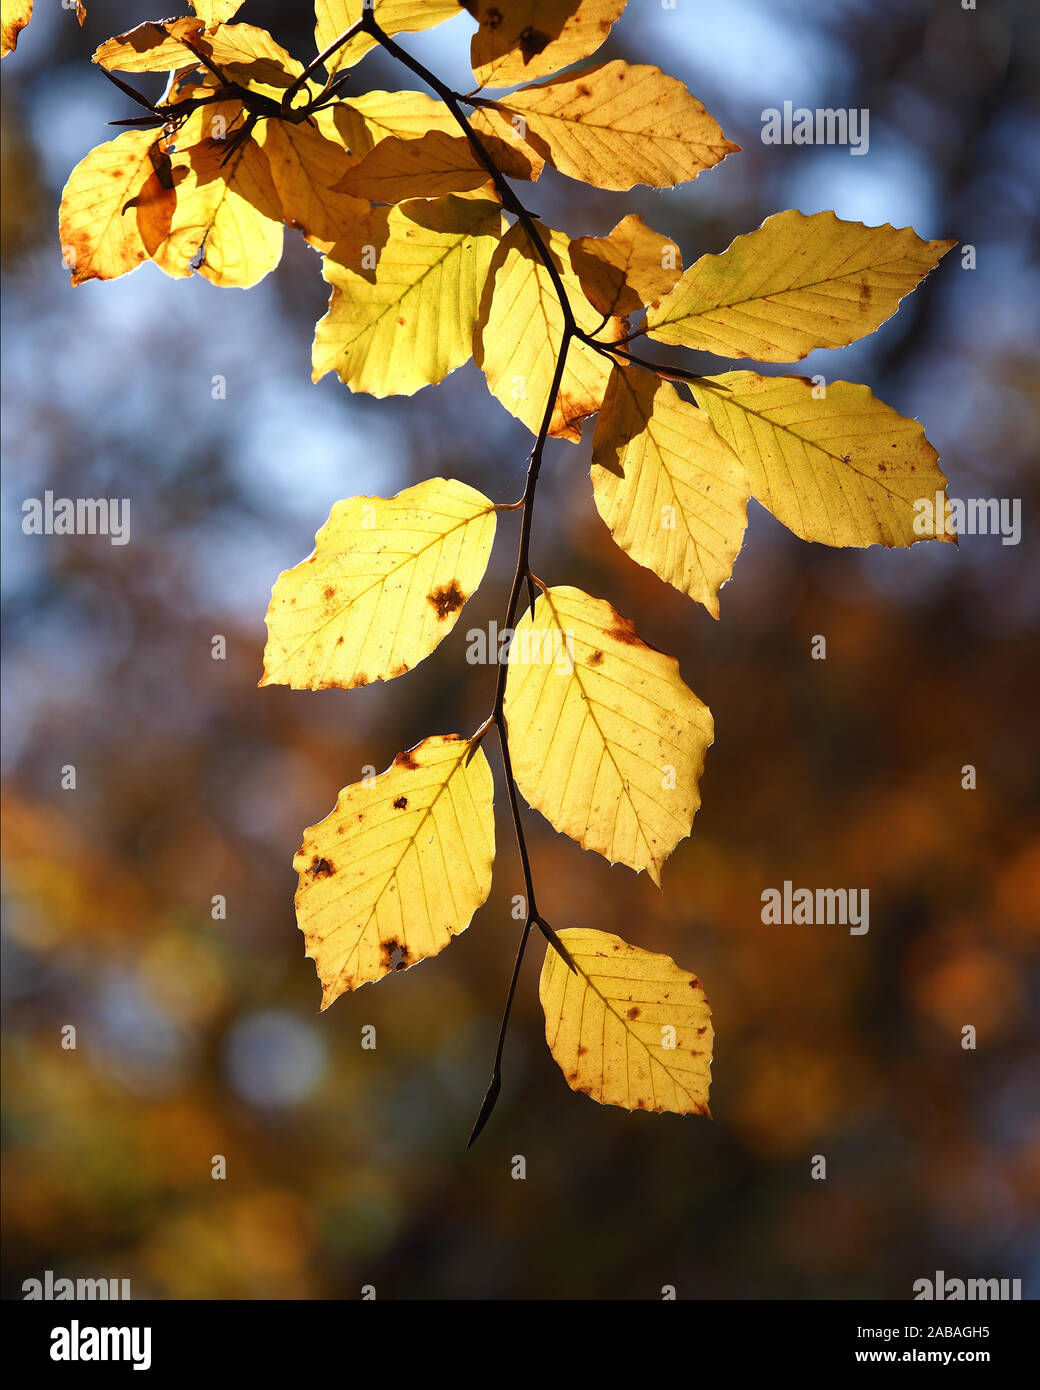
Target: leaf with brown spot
x=117 y=207
x=844 y=469
x=13 y=19
x=414 y=849
x=518 y=40
x=621 y=124
x=795 y=284
x=385 y=583
x=614 y=1051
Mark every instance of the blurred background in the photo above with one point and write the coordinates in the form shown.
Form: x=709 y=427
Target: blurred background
x=198 y=1037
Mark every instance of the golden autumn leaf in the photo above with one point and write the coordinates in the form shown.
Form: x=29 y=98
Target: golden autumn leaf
x=399 y=867
x=672 y=491
x=215 y=11
x=842 y=469
x=618 y=125
x=243 y=52
x=412 y=323
x=626 y=270
x=628 y=1027
x=520 y=331
x=795 y=284
x=334 y=17
x=606 y=740
x=369 y=117
x=385 y=583
x=227 y=222
x=525 y=39
x=427 y=167
x=307 y=159
x=117 y=206
x=14 y=16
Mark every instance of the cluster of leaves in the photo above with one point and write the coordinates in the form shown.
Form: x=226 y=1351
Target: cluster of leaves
x=407 y=199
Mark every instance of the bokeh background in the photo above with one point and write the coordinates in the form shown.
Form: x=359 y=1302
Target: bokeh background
x=198 y=1037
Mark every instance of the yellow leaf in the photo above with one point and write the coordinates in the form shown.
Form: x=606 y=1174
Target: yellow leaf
x=411 y=324
x=14 y=16
x=227 y=223
x=244 y=53
x=520 y=331
x=215 y=11
x=622 y=272
x=306 y=160
x=606 y=740
x=367 y=119
x=399 y=867
x=673 y=493
x=842 y=469
x=618 y=125
x=334 y=17
x=385 y=583
x=629 y=1027
x=427 y=167
x=117 y=206
x=533 y=38
x=796 y=284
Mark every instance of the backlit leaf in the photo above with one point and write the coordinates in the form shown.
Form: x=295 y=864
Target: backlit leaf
x=607 y=742
x=227 y=223
x=427 y=167
x=842 y=468
x=385 y=583
x=618 y=125
x=399 y=867
x=520 y=331
x=411 y=323
x=525 y=39
x=796 y=284
x=626 y=270
x=117 y=206
x=215 y=11
x=334 y=17
x=671 y=490
x=14 y=16
x=628 y=1027
x=369 y=117
x=306 y=160
x=244 y=53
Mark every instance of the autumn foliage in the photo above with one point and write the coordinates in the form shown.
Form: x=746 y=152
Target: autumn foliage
x=432 y=257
